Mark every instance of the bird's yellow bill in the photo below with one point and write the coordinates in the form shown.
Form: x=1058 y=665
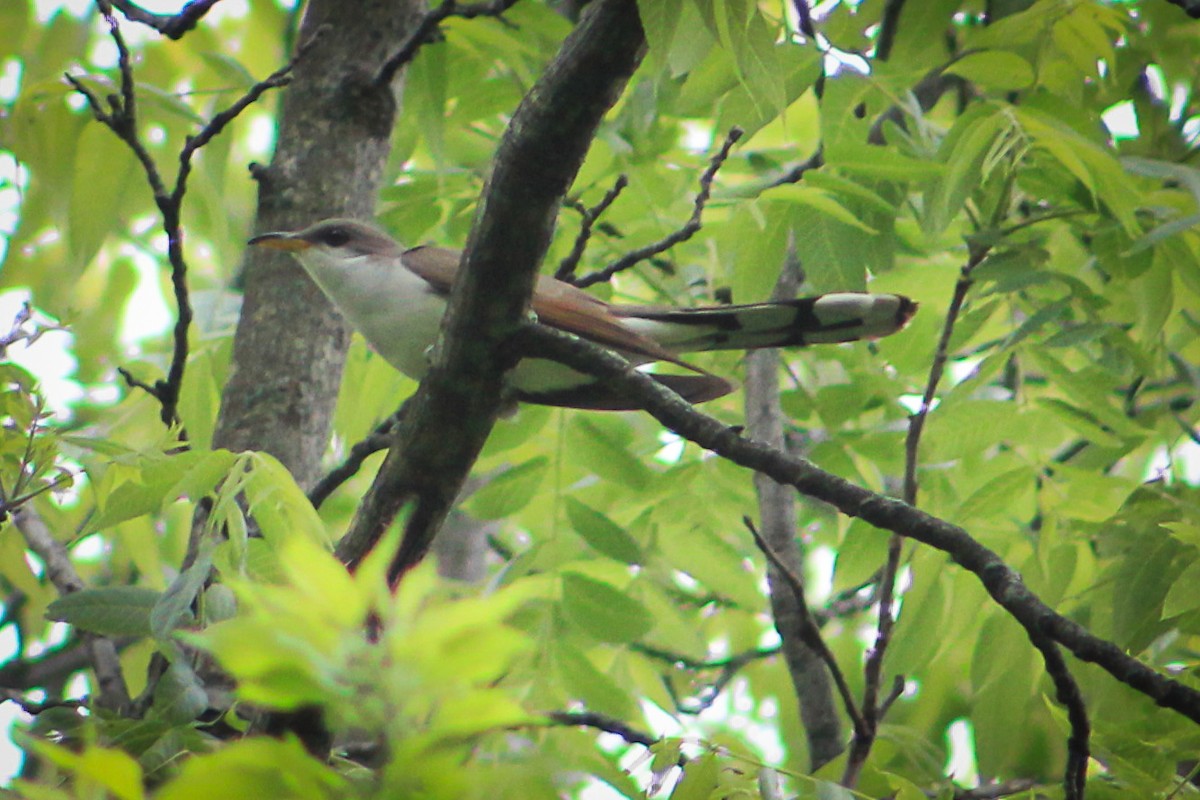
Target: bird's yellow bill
x=281 y=241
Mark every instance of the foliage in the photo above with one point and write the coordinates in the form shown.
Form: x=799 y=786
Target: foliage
x=968 y=162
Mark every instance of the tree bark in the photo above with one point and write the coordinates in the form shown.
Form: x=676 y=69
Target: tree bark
x=777 y=521
x=333 y=143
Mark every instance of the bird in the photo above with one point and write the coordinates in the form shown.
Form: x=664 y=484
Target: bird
x=396 y=297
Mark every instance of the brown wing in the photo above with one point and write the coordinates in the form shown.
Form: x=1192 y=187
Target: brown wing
x=557 y=304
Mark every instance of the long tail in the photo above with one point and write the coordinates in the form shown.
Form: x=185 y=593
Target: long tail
x=827 y=318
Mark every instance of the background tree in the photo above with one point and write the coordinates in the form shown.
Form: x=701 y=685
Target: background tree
x=995 y=534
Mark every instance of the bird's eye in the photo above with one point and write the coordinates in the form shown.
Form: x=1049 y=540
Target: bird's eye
x=335 y=237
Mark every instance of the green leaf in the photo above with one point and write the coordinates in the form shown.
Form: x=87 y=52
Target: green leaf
x=14 y=24
x=277 y=504
x=510 y=491
x=1145 y=580
x=920 y=32
x=603 y=611
x=128 y=491
x=256 y=767
x=229 y=69
x=998 y=496
x=710 y=560
x=1098 y=171
x=1182 y=596
x=174 y=607
x=108 y=611
x=817 y=200
x=835 y=184
x=104 y=169
x=583 y=682
x=699 y=781
x=963 y=150
x=595 y=443
x=881 y=163
x=998 y=70
x=179 y=696
x=660 y=20
x=116 y=772
x=604 y=535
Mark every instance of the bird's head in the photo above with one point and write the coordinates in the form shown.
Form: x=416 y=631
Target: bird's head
x=332 y=244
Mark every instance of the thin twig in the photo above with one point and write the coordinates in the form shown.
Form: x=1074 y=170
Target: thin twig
x=173 y=26
x=376 y=440
x=137 y=383
x=696 y=664
x=873 y=709
x=808 y=628
x=850 y=602
x=120 y=116
x=888 y=27
x=796 y=174
x=917 y=423
x=602 y=722
x=33 y=708
x=689 y=229
x=566 y=269
x=1067 y=692
x=106 y=664
x=804 y=18
x=706 y=695
x=423 y=32
x=26 y=328
x=873 y=668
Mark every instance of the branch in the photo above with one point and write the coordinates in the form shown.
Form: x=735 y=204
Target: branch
x=52 y=666
x=809 y=629
x=684 y=233
x=796 y=174
x=1067 y=692
x=425 y=30
x=566 y=269
x=811 y=679
x=888 y=27
x=111 y=691
x=591 y=719
x=458 y=402
x=1000 y=581
x=727 y=669
x=173 y=26
x=120 y=116
x=376 y=440
x=917 y=423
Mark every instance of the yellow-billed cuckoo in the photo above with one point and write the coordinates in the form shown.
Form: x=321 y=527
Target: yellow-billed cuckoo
x=396 y=298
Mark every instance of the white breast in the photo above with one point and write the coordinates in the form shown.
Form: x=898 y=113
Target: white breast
x=392 y=308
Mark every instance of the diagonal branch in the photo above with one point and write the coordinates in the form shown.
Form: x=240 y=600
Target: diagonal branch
x=454 y=409
x=1002 y=582
x=809 y=629
x=426 y=30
